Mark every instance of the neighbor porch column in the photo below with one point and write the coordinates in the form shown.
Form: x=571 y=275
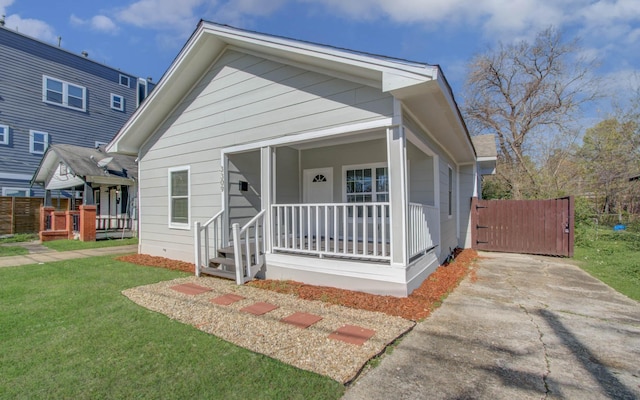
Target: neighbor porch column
x=266 y=182
x=87 y=197
x=398 y=196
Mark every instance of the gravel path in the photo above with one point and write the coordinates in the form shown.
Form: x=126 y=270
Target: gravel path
x=309 y=349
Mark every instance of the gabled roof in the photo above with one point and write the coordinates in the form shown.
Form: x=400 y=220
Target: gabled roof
x=82 y=164
x=419 y=85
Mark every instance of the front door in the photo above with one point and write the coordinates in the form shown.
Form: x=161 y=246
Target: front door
x=318 y=185
x=317 y=188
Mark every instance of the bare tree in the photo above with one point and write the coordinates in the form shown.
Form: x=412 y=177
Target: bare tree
x=527 y=94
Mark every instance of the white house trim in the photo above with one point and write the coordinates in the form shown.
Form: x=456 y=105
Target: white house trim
x=311 y=135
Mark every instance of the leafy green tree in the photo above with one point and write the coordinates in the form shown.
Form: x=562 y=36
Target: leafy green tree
x=610 y=157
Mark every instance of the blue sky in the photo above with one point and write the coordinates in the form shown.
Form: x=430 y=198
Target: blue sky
x=142 y=37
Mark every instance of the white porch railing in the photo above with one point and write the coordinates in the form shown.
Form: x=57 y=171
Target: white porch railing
x=354 y=230
x=424 y=228
x=209 y=238
x=249 y=248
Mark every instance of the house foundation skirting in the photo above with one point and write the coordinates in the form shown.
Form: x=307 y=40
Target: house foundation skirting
x=369 y=277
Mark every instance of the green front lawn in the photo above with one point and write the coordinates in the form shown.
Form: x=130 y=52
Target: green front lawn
x=6 y=251
x=67 y=332
x=66 y=245
x=612 y=257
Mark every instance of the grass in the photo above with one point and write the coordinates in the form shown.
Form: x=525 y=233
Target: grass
x=611 y=256
x=6 y=251
x=66 y=245
x=68 y=333
x=19 y=237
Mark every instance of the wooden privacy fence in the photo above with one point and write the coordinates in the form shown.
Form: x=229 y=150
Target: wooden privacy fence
x=542 y=227
x=22 y=214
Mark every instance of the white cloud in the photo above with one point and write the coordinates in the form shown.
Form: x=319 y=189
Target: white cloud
x=163 y=14
x=234 y=12
x=31 y=27
x=100 y=23
x=104 y=24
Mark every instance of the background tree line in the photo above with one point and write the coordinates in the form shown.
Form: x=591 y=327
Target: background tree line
x=535 y=98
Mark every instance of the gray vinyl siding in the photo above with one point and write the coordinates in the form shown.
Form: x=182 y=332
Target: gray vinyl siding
x=448 y=224
x=467 y=183
x=288 y=182
x=421 y=187
x=24 y=63
x=336 y=157
x=241 y=99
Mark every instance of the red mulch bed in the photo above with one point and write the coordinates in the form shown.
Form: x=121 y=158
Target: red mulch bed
x=417 y=306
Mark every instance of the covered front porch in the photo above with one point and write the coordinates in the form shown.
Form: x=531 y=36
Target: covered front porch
x=358 y=210
x=103 y=185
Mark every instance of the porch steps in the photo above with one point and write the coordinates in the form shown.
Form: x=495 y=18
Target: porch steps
x=221 y=273
x=224 y=264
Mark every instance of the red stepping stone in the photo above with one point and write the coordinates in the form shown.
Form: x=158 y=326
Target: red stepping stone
x=259 y=308
x=226 y=299
x=301 y=320
x=352 y=334
x=190 y=289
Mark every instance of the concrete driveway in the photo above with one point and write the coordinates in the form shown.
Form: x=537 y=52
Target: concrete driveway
x=528 y=328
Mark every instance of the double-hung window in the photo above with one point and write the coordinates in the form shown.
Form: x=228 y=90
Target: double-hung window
x=179 y=198
x=65 y=94
x=117 y=102
x=38 y=142
x=367 y=184
x=450 y=192
x=4 y=134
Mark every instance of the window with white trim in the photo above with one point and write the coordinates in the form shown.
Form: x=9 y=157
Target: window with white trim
x=450 y=191
x=4 y=134
x=65 y=94
x=179 y=197
x=124 y=80
x=117 y=102
x=364 y=184
x=16 y=192
x=38 y=142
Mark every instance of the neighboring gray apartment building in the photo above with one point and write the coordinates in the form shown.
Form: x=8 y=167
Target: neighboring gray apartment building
x=51 y=95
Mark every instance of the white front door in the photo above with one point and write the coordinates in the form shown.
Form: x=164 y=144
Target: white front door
x=318 y=185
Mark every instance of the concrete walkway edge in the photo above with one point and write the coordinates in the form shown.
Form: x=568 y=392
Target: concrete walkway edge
x=52 y=256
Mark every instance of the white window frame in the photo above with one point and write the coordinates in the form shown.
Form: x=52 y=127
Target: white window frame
x=112 y=102
x=98 y=144
x=32 y=133
x=5 y=134
x=178 y=225
x=125 y=77
x=450 y=191
x=372 y=167
x=6 y=189
x=65 y=94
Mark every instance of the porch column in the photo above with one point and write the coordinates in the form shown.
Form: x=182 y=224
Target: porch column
x=47 y=198
x=266 y=189
x=398 y=196
x=88 y=199
x=87 y=223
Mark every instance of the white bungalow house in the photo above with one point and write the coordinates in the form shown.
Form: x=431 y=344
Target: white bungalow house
x=263 y=154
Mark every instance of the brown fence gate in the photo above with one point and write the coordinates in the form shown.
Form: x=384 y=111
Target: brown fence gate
x=524 y=226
